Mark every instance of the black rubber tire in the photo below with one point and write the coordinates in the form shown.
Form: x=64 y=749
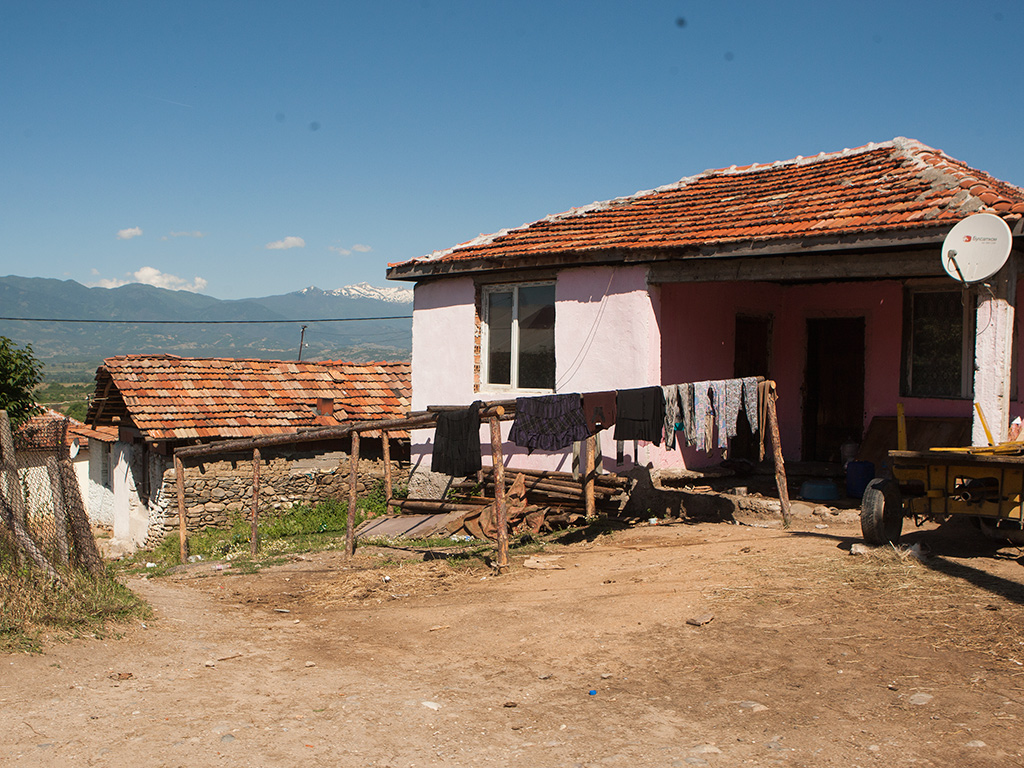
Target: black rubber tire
x=881 y=512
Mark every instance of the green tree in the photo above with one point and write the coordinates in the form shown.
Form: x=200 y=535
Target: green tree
x=20 y=374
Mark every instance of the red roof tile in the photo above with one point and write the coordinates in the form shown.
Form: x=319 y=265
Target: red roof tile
x=171 y=397
x=44 y=430
x=891 y=187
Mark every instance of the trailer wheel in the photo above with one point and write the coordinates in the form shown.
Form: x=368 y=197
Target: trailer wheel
x=881 y=512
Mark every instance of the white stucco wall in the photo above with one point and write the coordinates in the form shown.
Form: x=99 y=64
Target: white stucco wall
x=131 y=517
x=606 y=337
x=99 y=497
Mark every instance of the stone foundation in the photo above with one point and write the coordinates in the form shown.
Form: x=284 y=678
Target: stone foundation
x=216 y=492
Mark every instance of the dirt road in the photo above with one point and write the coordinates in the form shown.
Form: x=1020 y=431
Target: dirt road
x=805 y=656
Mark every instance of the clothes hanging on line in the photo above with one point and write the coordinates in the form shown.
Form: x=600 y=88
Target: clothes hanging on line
x=640 y=414
x=687 y=426
x=750 y=402
x=703 y=420
x=672 y=414
x=548 y=422
x=457 y=442
x=717 y=403
x=599 y=410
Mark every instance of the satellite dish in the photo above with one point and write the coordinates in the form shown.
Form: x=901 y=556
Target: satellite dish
x=74 y=449
x=976 y=248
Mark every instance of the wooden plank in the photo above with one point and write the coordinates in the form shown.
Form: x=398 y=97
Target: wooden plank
x=254 y=529
x=179 y=481
x=353 y=484
x=589 y=470
x=385 y=442
x=780 y=466
x=500 y=509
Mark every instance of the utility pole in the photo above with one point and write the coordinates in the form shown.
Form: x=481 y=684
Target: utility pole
x=302 y=338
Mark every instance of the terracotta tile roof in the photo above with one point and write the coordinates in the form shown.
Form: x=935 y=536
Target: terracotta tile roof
x=171 y=397
x=892 y=187
x=43 y=432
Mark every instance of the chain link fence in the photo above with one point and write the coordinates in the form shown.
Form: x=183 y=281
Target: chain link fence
x=43 y=521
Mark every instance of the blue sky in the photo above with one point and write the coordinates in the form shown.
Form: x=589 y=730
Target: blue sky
x=254 y=148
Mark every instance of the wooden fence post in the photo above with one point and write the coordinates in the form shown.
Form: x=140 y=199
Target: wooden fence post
x=85 y=545
x=60 y=511
x=500 y=508
x=15 y=495
x=780 y=465
x=353 y=485
x=589 y=470
x=386 y=445
x=179 y=481
x=254 y=531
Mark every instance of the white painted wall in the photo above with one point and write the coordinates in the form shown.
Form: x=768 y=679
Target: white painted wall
x=131 y=516
x=99 y=496
x=606 y=337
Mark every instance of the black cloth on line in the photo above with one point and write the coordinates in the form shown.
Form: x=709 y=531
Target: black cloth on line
x=457 y=442
x=640 y=414
x=548 y=422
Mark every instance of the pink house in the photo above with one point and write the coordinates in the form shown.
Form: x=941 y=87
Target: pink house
x=822 y=273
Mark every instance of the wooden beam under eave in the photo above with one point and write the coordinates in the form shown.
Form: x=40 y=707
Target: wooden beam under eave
x=808 y=267
x=926 y=238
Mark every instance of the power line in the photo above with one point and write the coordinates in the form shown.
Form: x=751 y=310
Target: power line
x=203 y=322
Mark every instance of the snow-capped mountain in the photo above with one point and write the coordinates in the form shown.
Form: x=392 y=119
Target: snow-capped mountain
x=392 y=294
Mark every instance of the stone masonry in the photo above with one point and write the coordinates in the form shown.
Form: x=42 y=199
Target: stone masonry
x=216 y=492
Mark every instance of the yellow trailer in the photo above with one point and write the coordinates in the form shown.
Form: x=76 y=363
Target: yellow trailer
x=986 y=483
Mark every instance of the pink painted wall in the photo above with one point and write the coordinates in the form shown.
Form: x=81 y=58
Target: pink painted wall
x=698 y=332
x=606 y=337
x=612 y=331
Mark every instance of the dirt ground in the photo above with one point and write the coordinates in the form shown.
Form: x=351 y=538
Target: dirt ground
x=800 y=654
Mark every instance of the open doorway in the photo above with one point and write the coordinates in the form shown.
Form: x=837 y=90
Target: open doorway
x=752 y=357
x=833 y=387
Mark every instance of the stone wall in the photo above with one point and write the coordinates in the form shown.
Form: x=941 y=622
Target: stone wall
x=216 y=492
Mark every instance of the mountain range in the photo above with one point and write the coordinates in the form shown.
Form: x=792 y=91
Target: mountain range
x=342 y=323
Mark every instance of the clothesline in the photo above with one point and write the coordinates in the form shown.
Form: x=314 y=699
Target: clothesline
x=557 y=421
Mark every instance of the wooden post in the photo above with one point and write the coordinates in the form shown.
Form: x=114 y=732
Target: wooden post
x=15 y=495
x=254 y=531
x=500 y=507
x=353 y=482
x=85 y=545
x=386 y=445
x=780 y=466
x=589 y=470
x=179 y=481
x=60 y=510
x=901 y=427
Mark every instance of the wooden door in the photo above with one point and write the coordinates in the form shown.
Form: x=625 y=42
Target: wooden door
x=833 y=387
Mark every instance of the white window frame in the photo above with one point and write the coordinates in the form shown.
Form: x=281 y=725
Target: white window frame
x=485 y=379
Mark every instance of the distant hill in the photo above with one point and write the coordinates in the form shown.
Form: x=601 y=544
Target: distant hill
x=63 y=342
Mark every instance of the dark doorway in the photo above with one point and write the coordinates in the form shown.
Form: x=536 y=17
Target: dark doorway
x=753 y=357
x=833 y=387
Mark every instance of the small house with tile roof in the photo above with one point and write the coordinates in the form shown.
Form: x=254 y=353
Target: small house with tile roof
x=157 y=403
x=48 y=434
x=822 y=273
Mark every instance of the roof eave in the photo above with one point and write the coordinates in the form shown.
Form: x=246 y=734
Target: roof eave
x=907 y=238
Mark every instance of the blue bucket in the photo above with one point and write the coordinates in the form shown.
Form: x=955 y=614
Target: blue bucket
x=858 y=475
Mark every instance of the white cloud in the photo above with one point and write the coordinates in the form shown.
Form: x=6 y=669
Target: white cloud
x=348 y=251
x=128 y=234
x=154 y=277
x=289 y=242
